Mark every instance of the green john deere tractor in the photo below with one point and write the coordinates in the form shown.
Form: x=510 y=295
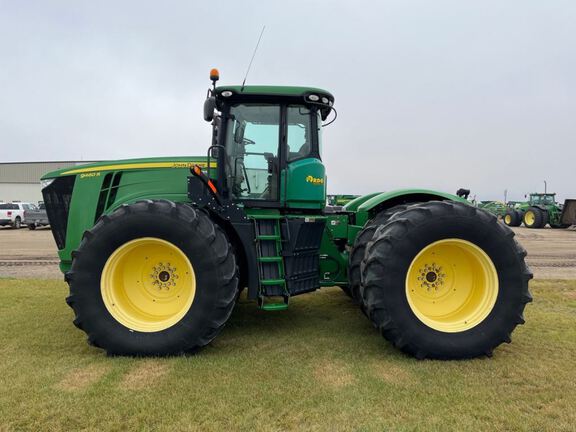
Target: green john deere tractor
x=156 y=251
x=541 y=209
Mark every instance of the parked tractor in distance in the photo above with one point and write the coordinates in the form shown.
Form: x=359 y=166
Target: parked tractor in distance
x=497 y=208
x=340 y=200
x=156 y=251
x=541 y=209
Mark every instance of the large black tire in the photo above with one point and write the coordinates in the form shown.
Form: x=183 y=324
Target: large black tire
x=512 y=218
x=193 y=233
x=389 y=261
x=535 y=218
x=359 y=247
x=31 y=226
x=17 y=223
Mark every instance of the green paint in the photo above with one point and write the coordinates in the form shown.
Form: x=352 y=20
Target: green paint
x=275 y=91
x=365 y=211
x=334 y=261
x=353 y=205
x=92 y=170
x=340 y=200
x=305 y=184
x=135 y=184
x=262 y=213
x=273 y=307
x=497 y=208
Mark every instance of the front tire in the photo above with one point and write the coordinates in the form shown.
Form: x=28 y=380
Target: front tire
x=445 y=280
x=153 y=278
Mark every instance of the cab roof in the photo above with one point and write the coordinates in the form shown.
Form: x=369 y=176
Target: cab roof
x=266 y=90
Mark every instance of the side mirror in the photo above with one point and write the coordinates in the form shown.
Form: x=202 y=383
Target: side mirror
x=239 y=133
x=209 y=107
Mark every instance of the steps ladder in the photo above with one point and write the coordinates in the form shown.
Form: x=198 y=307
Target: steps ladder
x=272 y=275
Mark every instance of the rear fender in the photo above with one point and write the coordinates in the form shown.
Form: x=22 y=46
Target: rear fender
x=367 y=209
x=353 y=205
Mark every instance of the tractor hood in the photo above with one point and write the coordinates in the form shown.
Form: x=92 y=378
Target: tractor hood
x=128 y=164
x=77 y=196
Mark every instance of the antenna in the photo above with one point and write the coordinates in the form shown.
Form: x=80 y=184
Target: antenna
x=252 y=59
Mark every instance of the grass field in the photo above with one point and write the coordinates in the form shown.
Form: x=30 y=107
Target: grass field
x=318 y=366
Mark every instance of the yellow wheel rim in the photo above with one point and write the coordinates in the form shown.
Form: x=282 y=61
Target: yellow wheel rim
x=508 y=219
x=148 y=284
x=529 y=218
x=452 y=285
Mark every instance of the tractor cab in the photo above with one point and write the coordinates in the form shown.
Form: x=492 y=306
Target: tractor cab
x=267 y=142
x=543 y=199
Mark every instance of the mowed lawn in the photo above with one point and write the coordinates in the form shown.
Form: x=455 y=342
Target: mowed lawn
x=318 y=366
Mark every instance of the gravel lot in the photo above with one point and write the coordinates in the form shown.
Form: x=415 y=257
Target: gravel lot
x=28 y=254
x=32 y=254
x=551 y=252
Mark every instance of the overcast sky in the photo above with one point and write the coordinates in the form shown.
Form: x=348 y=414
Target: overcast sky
x=437 y=94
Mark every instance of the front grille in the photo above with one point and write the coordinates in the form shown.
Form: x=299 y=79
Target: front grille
x=57 y=198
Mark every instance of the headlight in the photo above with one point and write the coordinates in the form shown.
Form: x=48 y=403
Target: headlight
x=46 y=183
x=314 y=98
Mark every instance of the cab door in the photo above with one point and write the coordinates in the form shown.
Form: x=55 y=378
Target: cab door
x=253 y=157
x=304 y=178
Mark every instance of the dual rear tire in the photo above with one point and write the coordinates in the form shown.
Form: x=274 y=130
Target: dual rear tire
x=444 y=280
x=535 y=218
x=512 y=217
x=359 y=249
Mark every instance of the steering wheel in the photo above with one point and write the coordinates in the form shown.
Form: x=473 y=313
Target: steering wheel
x=237 y=187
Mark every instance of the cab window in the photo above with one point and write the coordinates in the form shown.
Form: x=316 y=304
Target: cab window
x=299 y=136
x=252 y=138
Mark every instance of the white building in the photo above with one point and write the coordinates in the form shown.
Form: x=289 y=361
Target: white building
x=20 y=181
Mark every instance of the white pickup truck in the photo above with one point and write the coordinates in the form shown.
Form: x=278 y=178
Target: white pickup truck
x=13 y=213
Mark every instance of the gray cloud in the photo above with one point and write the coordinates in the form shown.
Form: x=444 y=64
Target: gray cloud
x=435 y=94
